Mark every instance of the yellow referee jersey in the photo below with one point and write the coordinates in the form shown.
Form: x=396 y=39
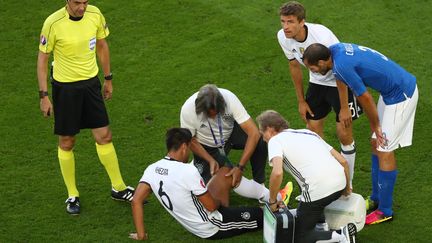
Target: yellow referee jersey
x=73 y=43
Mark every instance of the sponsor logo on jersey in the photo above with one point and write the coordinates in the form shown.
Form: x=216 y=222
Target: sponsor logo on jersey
x=203 y=125
x=43 y=40
x=245 y=215
x=161 y=171
x=92 y=43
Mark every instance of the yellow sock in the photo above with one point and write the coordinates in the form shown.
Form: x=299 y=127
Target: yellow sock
x=67 y=166
x=108 y=157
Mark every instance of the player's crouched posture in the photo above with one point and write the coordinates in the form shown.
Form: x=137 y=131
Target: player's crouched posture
x=202 y=210
x=391 y=119
x=321 y=172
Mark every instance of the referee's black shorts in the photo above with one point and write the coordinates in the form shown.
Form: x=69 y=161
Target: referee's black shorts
x=322 y=99
x=78 y=105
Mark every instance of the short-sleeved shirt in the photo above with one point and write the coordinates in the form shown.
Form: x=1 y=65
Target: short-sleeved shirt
x=73 y=43
x=293 y=49
x=360 y=67
x=308 y=159
x=199 y=125
x=177 y=185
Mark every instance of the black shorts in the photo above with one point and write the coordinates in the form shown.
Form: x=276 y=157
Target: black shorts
x=78 y=105
x=308 y=215
x=238 y=220
x=321 y=99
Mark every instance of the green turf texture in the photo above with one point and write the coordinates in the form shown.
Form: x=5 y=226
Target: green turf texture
x=161 y=53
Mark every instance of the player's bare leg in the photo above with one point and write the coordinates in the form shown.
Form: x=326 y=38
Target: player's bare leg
x=316 y=126
x=219 y=186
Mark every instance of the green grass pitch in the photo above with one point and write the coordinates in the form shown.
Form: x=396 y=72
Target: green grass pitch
x=161 y=53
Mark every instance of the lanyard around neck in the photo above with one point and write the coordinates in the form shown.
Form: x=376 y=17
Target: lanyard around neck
x=219 y=122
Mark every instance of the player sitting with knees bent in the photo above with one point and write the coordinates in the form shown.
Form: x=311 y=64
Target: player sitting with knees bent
x=202 y=209
x=321 y=172
x=219 y=122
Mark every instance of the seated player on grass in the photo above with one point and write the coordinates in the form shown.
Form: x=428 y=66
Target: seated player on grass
x=202 y=209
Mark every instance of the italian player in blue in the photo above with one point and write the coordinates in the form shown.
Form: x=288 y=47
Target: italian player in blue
x=391 y=120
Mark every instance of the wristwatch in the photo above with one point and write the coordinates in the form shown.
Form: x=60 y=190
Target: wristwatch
x=241 y=167
x=42 y=94
x=109 y=77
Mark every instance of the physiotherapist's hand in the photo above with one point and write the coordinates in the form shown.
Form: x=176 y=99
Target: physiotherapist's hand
x=345 y=117
x=237 y=175
x=303 y=109
x=107 y=89
x=135 y=236
x=214 y=167
x=274 y=207
x=46 y=106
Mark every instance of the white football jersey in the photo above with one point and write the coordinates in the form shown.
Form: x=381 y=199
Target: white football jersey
x=200 y=126
x=293 y=49
x=177 y=185
x=308 y=159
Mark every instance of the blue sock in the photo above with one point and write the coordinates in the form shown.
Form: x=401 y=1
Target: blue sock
x=374 y=174
x=387 y=180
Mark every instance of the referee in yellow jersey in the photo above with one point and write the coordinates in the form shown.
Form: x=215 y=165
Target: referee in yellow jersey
x=75 y=34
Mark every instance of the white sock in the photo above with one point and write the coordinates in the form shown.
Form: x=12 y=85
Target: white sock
x=252 y=189
x=349 y=153
x=335 y=238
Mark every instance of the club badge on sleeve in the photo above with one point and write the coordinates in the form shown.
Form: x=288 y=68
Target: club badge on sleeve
x=43 y=40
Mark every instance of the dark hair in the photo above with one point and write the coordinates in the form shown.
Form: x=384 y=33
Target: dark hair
x=209 y=98
x=316 y=52
x=293 y=8
x=271 y=118
x=175 y=137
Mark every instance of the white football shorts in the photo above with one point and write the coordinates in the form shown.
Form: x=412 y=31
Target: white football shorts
x=397 y=122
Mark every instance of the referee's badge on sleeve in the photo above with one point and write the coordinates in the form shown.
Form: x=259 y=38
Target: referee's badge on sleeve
x=43 y=40
x=92 y=43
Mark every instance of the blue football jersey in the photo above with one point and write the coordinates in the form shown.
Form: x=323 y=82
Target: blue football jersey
x=359 y=66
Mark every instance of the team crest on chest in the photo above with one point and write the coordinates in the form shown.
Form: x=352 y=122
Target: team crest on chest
x=302 y=50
